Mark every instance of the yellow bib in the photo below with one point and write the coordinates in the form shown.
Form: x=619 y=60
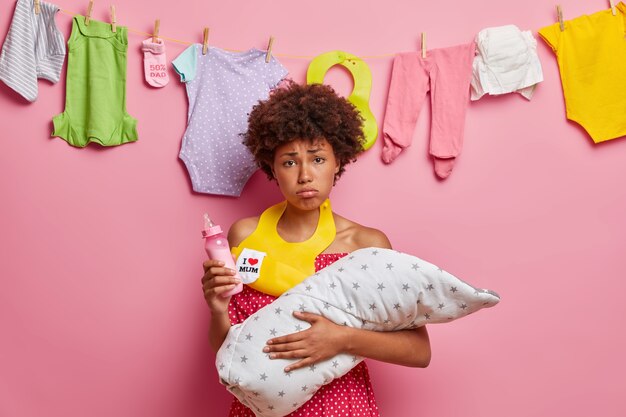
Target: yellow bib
x=360 y=95
x=268 y=263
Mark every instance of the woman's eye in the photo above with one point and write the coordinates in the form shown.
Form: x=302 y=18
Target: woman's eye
x=289 y=163
x=319 y=160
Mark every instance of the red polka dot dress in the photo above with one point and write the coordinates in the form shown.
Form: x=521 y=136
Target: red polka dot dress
x=348 y=396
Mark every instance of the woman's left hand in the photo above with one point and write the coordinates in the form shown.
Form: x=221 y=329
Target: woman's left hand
x=321 y=341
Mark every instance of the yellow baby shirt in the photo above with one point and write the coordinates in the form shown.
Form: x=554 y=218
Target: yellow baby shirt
x=591 y=54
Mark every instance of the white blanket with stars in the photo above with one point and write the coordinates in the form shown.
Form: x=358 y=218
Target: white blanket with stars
x=372 y=288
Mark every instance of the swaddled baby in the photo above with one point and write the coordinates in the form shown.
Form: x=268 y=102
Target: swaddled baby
x=372 y=288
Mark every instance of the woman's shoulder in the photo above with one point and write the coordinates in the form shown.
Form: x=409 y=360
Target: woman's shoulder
x=352 y=236
x=241 y=229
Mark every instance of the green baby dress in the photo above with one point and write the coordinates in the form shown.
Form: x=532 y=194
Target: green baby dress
x=95 y=97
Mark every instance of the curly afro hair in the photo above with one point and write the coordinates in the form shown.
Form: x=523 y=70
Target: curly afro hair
x=307 y=112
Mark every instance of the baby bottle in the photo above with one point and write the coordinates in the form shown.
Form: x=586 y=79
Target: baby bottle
x=216 y=246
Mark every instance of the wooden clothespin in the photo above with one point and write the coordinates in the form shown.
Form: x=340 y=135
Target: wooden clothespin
x=205 y=41
x=113 y=20
x=89 y=10
x=559 y=14
x=612 y=3
x=155 y=33
x=268 y=55
x=423 y=44
x=38 y=7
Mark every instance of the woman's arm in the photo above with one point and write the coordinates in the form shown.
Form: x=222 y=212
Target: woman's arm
x=403 y=347
x=217 y=279
x=325 y=339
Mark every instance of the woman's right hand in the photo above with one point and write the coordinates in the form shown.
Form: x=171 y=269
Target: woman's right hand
x=216 y=281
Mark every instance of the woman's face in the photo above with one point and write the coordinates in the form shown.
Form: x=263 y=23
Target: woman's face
x=305 y=172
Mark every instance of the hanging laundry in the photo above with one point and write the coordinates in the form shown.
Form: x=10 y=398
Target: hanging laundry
x=155 y=63
x=95 y=97
x=222 y=87
x=506 y=62
x=446 y=73
x=34 y=48
x=591 y=55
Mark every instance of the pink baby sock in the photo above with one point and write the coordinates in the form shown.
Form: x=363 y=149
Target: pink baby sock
x=154 y=62
x=443 y=166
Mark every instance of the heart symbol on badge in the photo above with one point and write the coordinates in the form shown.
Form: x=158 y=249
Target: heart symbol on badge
x=252 y=261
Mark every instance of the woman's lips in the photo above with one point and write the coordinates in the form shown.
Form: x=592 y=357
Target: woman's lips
x=307 y=193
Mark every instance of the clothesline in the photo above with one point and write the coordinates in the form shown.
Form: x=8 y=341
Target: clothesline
x=142 y=33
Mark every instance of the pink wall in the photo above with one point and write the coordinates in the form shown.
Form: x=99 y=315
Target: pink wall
x=101 y=310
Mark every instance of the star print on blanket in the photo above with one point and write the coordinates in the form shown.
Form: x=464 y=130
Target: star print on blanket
x=372 y=288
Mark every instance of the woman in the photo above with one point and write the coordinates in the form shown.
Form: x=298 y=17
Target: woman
x=302 y=137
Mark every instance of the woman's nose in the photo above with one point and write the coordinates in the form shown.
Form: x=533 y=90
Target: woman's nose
x=304 y=174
